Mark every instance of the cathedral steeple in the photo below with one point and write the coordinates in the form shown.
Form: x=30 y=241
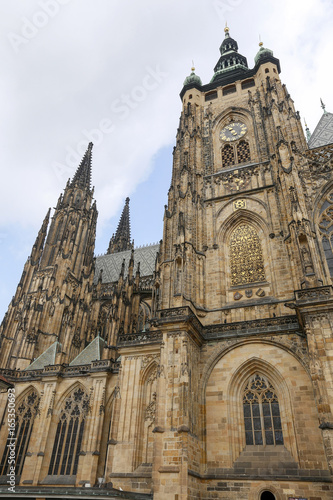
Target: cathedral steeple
x=230 y=59
x=122 y=239
x=82 y=177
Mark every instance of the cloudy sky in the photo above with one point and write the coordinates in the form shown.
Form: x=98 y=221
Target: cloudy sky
x=110 y=72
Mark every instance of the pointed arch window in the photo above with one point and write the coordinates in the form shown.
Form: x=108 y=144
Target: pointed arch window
x=236 y=153
x=246 y=260
x=228 y=156
x=262 y=420
x=243 y=152
x=25 y=415
x=68 y=439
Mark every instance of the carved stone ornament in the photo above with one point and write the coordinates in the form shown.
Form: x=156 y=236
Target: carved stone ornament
x=237 y=296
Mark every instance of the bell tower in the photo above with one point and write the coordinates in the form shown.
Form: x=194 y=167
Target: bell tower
x=238 y=150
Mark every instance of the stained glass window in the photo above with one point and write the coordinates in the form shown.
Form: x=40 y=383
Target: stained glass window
x=25 y=416
x=262 y=420
x=68 y=439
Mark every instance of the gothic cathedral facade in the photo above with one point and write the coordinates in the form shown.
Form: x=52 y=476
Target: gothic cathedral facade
x=202 y=367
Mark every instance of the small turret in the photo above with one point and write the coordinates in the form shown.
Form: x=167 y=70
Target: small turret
x=192 y=79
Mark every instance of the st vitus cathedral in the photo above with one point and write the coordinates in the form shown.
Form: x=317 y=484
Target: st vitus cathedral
x=202 y=367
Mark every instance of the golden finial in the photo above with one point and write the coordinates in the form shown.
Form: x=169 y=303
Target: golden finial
x=306 y=126
x=260 y=42
x=226 y=29
x=193 y=68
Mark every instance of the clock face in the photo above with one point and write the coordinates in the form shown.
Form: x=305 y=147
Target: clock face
x=233 y=131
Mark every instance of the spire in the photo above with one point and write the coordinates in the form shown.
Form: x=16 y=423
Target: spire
x=121 y=241
x=82 y=176
x=323 y=106
x=230 y=60
x=39 y=243
x=307 y=130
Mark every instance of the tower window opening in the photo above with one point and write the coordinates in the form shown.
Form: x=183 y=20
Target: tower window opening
x=228 y=156
x=248 y=83
x=211 y=95
x=266 y=70
x=243 y=152
x=231 y=89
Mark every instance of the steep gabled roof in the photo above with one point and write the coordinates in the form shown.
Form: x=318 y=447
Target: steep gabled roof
x=111 y=263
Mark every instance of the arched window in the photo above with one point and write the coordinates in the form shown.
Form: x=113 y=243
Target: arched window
x=262 y=419
x=67 y=443
x=326 y=230
x=228 y=157
x=243 y=152
x=246 y=261
x=25 y=416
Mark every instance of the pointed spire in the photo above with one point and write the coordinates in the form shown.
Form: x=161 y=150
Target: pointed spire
x=39 y=243
x=82 y=177
x=121 y=241
x=323 y=106
x=307 y=130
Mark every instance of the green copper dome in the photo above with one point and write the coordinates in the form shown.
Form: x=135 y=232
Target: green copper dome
x=262 y=52
x=192 y=79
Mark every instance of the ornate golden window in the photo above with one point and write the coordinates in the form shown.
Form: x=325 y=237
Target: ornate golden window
x=261 y=410
x=25 y=416
x=246 y=261
x=67 y=443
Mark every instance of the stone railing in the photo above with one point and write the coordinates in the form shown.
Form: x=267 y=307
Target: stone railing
x=314 y=294
x=147 y=337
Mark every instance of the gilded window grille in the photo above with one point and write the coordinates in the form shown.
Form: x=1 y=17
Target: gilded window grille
x=228 y=156
x=25 y=415
x=68 y=439
x=262 y=420
x=246 y=260
x=243 y=152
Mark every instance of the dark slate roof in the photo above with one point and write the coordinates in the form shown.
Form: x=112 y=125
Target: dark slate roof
x=46 y=358
x=323 y=133
x=91 y=353
x=111 y=264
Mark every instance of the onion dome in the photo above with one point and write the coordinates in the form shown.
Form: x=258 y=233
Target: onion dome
x=192 y=79
x=262 y=52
